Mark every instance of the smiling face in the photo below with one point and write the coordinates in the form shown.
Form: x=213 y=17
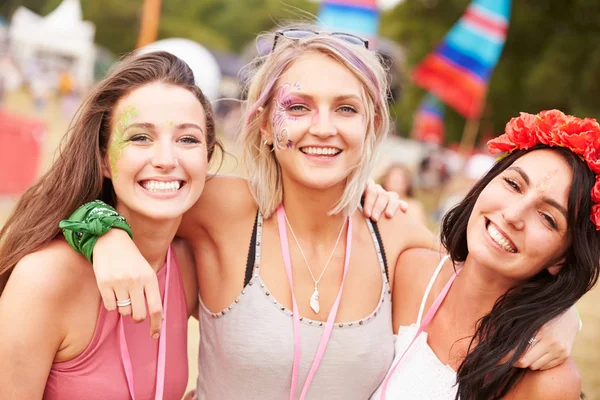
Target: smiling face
x=518 y=226
x=316 y=122
x=157 y=156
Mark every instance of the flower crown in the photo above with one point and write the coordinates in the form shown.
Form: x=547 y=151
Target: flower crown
x=554 y=128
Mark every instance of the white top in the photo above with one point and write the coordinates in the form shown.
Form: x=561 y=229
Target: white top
x=421 y=374
x=247 y=350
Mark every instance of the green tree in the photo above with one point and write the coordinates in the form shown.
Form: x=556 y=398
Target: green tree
x=551 y=58
x=226 y=25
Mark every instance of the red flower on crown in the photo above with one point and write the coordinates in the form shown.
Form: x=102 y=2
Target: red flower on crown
x=554 y=128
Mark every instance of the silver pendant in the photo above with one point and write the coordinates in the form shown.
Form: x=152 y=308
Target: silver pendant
x=314 y=301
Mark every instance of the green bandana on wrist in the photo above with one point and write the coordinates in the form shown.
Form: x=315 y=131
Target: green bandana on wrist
x=88 y=223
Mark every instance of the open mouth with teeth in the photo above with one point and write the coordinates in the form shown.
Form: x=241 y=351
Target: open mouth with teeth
x=501 y=240
x=162 y=186
x=321 y=151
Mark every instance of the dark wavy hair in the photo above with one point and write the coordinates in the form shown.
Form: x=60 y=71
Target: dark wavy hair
x=502 y=336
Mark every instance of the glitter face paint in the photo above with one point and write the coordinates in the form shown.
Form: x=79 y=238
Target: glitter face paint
x=282 y=101
x=118 y=142
x=544 y=184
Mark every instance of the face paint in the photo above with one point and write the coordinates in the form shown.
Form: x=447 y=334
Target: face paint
x=280 y=116
x=170 y=123
x=544 y=184
x=118 y=142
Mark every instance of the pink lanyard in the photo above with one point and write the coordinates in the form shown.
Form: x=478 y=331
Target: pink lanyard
x=162 y=345
x=285 y=248
x=426 y=320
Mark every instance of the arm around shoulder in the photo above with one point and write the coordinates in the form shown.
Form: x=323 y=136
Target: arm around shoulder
x=559 y=383
x=31 y=325
x=225 y=198
x=404 y=231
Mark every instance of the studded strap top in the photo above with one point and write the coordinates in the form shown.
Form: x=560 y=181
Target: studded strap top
x=247 y=349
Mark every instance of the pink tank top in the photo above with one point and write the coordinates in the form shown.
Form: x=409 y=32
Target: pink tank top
x=99 y=372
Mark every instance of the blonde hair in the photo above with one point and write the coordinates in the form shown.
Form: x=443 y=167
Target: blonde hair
x=262 y=167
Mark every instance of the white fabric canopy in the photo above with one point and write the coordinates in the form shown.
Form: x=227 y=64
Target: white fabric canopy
x=62 y=33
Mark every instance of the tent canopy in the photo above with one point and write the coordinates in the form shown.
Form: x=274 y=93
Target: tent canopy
x=62 y=33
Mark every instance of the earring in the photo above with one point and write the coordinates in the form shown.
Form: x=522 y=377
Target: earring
x=266 y=142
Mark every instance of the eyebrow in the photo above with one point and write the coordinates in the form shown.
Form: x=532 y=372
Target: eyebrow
x=340 y=97
x=149 y=126
x=546 y=199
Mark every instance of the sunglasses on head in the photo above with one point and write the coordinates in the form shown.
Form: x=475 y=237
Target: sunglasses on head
x=304 y=33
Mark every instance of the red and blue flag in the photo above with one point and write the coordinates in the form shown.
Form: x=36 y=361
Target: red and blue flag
x=459 y=69
x=428 y=125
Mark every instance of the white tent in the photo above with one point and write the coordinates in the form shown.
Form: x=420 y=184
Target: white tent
x=61 y=35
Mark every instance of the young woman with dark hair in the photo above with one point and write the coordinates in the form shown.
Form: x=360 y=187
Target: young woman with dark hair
x=524 y=246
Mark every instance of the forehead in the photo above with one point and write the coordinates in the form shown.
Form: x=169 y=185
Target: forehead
x=318 y=73
x=549 y=168
x=158 y=103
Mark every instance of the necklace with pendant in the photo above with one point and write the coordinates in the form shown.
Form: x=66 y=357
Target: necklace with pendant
x=314 y=299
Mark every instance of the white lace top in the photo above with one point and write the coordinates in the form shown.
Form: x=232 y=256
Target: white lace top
x=421 y=374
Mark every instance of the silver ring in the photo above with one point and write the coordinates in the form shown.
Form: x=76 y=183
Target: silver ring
x=532 y=341
x=124 y=303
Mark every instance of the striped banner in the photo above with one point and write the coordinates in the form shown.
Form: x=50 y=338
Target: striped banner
x=459 y=69
x=429 y=121
x=359 y=17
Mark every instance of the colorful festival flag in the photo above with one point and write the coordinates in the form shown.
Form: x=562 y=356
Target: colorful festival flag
x=359 y=17
x=459 y=69
x=428 y=125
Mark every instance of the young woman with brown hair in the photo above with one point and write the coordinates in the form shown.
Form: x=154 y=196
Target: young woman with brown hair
x=141 y=143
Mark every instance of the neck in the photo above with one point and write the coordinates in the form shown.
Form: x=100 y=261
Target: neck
x=151 y=236
x=308 y=212
x=475 y=291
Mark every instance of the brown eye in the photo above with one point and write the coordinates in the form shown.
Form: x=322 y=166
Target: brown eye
x=514 y=185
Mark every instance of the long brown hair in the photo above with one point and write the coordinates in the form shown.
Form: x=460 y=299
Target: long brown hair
x=76 y=176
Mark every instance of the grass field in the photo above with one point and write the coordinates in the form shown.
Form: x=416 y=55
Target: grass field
x=587 y=348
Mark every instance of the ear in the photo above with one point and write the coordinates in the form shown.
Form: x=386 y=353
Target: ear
x=106 y=170
x=555 y=269
x=265 y=132
x=377 y=121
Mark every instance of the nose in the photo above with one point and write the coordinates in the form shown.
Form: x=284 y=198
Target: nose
x=164 y=156
x=322 y=124
x=514 y=214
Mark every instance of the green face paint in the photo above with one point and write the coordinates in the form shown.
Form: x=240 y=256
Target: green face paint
x=118 y=142
x=170 y=123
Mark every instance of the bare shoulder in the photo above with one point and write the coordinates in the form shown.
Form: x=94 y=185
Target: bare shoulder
x=559 y=383
x=404 y=231
x=54 y=272
x=414 y=270
x=225 y=198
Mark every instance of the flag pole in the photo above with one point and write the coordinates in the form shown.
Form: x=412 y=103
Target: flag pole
x=149 y=23
x=469 y=136
x=467 y=142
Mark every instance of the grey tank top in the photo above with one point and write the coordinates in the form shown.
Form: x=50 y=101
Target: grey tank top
x=247 y=349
